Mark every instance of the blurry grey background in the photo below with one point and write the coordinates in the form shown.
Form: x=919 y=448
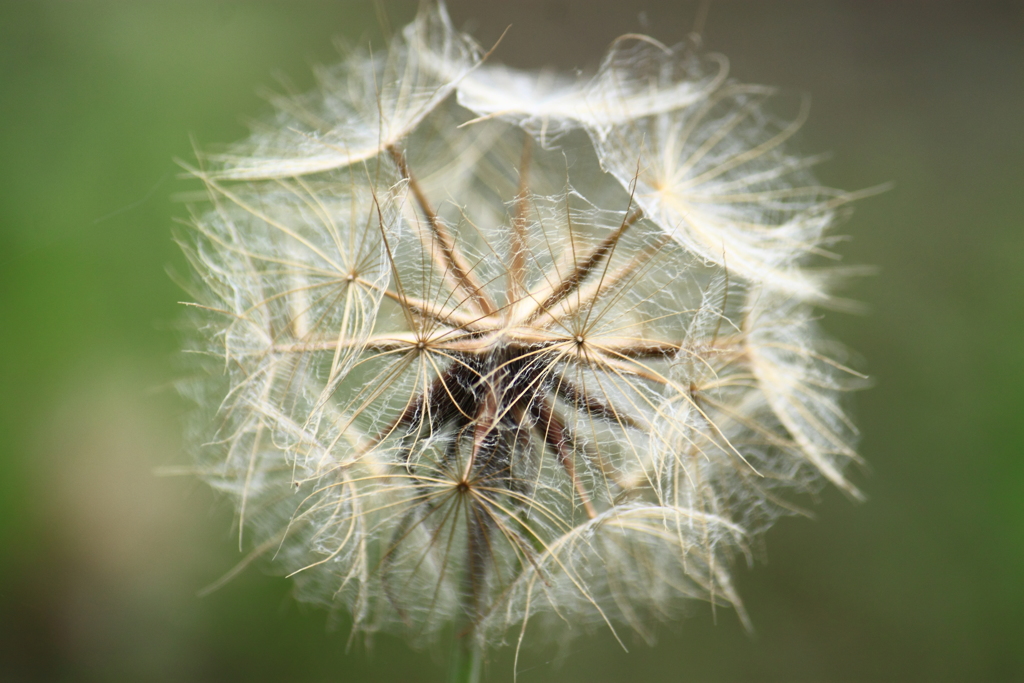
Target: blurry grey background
x=100 y=561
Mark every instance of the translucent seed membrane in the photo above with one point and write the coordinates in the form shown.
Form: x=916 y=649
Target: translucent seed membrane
x=487 y=352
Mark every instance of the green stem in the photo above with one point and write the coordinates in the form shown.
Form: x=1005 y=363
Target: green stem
x=467 y=661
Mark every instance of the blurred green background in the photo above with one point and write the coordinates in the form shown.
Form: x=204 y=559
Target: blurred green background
x=100 y=560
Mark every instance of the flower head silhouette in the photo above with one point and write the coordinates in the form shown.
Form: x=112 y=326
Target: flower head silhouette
x=489 y=348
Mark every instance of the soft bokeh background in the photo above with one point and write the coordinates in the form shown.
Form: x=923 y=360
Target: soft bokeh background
x=100 y=560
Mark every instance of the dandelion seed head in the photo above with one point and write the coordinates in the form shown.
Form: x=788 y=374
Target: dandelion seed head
x=453 y=380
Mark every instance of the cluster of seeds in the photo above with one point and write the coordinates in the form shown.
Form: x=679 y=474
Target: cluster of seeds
x=486 y=348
